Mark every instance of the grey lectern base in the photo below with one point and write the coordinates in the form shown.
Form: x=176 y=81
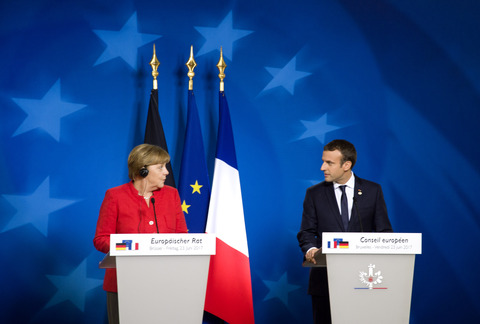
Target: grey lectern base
x=370 y=275
x=164 y=289
x=386 y=302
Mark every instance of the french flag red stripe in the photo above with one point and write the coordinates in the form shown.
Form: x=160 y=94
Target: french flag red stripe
x=231 y=271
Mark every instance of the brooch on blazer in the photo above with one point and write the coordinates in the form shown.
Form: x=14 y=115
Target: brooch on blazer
x=359 y=192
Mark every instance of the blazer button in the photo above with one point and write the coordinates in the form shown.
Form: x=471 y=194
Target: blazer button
x=150 y=222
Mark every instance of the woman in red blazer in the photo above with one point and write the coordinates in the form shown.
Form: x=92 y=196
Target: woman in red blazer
x=143 y=205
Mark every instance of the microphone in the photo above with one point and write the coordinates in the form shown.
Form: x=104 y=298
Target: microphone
x=358 y=215
x=155 y=213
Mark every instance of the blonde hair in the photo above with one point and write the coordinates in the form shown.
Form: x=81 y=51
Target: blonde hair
x=144 y=155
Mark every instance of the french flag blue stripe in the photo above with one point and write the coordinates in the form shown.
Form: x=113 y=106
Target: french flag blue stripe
x=225 y=143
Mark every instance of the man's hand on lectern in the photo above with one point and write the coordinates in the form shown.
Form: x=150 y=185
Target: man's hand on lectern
x=310 y=256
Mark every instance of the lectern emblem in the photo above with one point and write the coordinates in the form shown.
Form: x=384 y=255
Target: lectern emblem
x=371 y=278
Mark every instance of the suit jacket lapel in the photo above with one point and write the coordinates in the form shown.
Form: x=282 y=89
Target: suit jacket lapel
x=357 y=192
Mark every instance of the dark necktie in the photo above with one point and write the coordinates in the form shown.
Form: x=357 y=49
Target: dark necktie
x=344 y=208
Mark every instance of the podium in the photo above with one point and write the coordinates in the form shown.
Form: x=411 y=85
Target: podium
x=370 y=275
x=161 y=278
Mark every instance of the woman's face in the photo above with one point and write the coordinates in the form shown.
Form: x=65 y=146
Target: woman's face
x=157 y=173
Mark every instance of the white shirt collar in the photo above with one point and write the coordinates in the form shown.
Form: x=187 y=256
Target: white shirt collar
x=350 y=183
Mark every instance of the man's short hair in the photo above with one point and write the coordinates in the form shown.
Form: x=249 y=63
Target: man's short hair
x=345 y=147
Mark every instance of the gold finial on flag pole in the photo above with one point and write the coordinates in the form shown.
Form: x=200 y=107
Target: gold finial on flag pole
x=221 y=67
x=191 y=64
x=154 y=63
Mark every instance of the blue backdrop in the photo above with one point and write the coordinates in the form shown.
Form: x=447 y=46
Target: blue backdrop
x=400 y=79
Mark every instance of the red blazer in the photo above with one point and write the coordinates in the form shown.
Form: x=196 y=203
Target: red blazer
x=124 y=211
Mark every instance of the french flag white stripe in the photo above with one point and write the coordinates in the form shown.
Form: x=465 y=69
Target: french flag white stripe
x=225 y=214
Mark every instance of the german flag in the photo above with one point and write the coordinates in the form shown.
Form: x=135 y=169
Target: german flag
x=343 y=245
x=121 y=246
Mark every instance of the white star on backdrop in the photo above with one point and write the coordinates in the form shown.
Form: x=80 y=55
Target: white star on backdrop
x=124 y=43
x=46 y=112
x=73 y=287
x=35 y=208
x=317 y=128
x=222 y=36
x=285 y=77
x=279 y=289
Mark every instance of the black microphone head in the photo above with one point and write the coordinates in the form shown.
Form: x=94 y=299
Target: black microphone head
x=152 y=200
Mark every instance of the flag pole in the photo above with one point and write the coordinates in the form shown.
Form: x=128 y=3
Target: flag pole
x=191 y=64
x=154 y=63
x=221 y=65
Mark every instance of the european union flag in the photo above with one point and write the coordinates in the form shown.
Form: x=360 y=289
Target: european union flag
x=193 y=185
x=128 y=244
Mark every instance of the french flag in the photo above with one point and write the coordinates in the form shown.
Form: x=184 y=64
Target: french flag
x=229 y=287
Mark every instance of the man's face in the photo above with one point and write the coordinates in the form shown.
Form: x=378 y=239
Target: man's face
x=332 y=168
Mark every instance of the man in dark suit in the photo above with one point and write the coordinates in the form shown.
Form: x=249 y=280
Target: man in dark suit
x=341 y=203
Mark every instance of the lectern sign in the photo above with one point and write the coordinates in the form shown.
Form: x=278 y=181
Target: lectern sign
x=162 y=244
x=371 y=243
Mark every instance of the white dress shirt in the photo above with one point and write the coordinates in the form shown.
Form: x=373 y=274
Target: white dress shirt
x=350 y=186
x=349 y=189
